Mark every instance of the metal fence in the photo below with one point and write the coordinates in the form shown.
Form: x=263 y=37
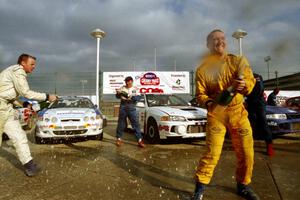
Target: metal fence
x=74 y=83
x=64 y=83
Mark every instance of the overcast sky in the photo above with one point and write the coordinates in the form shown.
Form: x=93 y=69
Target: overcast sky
x=57 y=32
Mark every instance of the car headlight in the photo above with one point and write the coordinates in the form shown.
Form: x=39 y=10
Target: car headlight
x=86 y=118
x=276 y=116
x=177 y=118
x=53 y=119
x=164 y=118
x=47 y=119
x=93 y=118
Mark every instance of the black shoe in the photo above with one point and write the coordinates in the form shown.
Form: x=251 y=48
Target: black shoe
x=31 y=169
x=199 y=191
x=246 y=192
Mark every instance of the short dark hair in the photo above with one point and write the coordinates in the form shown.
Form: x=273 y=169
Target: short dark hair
x=24 y=57
x=25 y=104
x=208 y=37
x=276 y=90
x=128 y=78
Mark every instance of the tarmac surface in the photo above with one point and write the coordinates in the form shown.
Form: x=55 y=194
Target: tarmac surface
x=100 y=170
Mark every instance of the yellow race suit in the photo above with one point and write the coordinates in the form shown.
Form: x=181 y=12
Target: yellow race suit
x=214 y=75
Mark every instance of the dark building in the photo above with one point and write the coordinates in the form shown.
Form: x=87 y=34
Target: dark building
x=289 y=82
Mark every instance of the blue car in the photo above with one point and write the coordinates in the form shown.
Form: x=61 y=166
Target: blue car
x=282 y=120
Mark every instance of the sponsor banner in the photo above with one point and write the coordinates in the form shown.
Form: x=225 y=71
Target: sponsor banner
x=149 y=82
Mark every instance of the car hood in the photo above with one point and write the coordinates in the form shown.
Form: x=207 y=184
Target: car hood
x=185 y=111
x=75 y=112
x=279 y=110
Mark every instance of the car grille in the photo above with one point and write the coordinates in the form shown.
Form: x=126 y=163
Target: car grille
x=286 y=126
x=70 y=120
x=71 y=132
x=295 y=126
x=70 y=127
x=189 y=109
x=294 y=116
x=197 y=119
x=196 y=128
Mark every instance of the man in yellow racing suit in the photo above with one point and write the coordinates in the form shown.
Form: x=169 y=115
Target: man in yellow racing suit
x=218 y=72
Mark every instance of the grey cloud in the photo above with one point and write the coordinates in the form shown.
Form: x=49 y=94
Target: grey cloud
x=57 y=32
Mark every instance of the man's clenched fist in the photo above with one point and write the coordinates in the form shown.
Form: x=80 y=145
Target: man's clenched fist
x=52 y=98
x=239 y=85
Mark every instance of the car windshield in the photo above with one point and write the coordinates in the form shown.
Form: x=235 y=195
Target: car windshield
x=165 y=100
x=296 y=100
x=72 y=103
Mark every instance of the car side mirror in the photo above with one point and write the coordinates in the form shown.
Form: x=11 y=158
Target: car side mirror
x=140 y=104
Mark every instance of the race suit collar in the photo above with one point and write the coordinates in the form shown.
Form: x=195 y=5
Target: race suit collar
x=21 y=66
x=218 y=56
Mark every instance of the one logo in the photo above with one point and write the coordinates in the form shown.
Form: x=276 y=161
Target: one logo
x=178 y=82
x=151 y=90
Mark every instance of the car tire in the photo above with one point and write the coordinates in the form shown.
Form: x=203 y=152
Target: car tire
x=152 y=135
x=39 y=140
x=96 y=137
x=99 y=137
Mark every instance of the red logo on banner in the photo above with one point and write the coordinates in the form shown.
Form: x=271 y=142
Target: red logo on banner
x=151 y=90
x=149 y=79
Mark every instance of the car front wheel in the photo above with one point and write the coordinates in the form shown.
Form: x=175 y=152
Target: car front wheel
x=99 y=137
x=38 y=140
x=152 y=135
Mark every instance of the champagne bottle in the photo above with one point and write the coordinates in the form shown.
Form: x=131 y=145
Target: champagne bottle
x=227 y=95
x=124 y=94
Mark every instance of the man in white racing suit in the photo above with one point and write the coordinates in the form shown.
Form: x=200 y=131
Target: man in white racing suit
x=13 y=83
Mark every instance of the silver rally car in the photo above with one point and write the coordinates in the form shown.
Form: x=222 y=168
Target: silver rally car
x=70 y=117
x=164 y=116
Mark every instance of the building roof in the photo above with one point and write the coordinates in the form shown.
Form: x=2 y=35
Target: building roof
x=289 y=82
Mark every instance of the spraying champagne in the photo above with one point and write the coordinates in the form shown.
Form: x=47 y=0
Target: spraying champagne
x=227 y=95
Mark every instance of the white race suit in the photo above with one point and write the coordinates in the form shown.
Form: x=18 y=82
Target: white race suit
x=13 y=83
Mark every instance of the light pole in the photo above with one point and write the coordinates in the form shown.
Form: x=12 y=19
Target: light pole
x=267 y=60
x=155 y=66
x=83 y=82
x=276 y=76
x=133 y=64
x=98 y=34
x=175 y=65
x=239 y=34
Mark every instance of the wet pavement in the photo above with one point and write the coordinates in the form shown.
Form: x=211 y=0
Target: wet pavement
x=100 y=170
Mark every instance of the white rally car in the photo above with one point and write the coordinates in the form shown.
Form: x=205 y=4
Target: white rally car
x=164 y=116
x=70 y=117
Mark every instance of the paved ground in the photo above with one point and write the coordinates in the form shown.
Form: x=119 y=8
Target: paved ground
x=100 y=170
